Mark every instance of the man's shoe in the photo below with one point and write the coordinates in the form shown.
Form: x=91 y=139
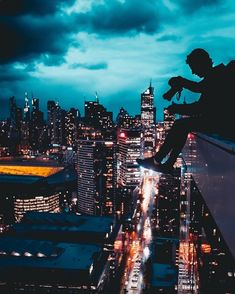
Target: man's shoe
x=166 y=169
x=149 y=163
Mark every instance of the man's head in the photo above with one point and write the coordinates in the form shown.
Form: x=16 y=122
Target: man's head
x=200 y=62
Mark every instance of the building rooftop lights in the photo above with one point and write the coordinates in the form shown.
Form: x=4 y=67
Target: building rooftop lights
x=18 y=170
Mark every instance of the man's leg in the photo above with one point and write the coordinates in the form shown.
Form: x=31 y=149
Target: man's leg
x=173 y=144
x=174 y=141
x=177 y=137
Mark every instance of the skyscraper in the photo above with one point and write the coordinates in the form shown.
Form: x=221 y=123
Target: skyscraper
x=97 y=116
x=37 y=124
x=96 y=176
x=168 y=120
x=56 y=123
x=148 y=120
x=129 y=151
x=25 y=125
x=71 y=126
x=14 y=127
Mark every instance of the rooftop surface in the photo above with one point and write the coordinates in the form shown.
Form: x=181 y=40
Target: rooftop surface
x=65 y=221
x=22 y=170
x=164 y=275
x=65 y=224
x=45 y=254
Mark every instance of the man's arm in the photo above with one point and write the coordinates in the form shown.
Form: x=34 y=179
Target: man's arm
x=180 y=82
x=185 y=109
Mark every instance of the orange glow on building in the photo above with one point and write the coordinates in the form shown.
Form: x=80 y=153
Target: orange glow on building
x=21 y=170
x=206 y=248
x=118 y=245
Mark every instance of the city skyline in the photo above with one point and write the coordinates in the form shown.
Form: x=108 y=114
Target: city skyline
x=67 y=52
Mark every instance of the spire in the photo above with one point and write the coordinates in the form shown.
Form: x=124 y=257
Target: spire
x=151 y=89
x=96 y=97
x=26 y=100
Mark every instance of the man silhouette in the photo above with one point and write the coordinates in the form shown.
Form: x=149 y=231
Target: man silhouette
x=208 y=115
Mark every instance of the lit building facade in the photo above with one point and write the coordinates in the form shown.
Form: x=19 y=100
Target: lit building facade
x=97 y=116
x=34 y=188
x=126 y=121
x=129 y=142
x=25 y=124
x=96 y=164
x=49 y=203
x=36 y=126
x=168 y=207
x=168 y=120
x=71 y=126
x=148 y=121
x=56 y=123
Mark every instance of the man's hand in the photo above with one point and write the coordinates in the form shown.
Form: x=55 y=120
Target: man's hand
x=176 y=82
x=173 y=108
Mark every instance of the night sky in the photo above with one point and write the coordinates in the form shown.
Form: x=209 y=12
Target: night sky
x=67 y=50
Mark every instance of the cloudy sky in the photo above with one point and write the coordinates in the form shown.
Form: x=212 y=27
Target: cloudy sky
x=66 y=50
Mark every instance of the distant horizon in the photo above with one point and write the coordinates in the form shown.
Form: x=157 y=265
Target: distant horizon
x=43 y=108
x=20 y=103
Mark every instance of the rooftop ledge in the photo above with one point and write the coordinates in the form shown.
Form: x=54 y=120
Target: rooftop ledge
x=211 y=160
x=227 y=144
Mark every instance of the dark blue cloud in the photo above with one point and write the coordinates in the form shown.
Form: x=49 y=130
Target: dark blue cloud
x=115 y=17
x=35 y=29
x=32 y=7
x=25 y=39
x=10 y=73
x=26 y=35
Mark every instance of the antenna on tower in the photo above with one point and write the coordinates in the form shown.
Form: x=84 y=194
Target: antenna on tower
x=151 y=89
x=96 y=97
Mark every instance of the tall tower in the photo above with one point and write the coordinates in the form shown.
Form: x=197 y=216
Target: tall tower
x=14 y=127
x=129 y=151
x=148 y=121
x=97 y=116
x=26 y=108
x=96 y=165
x=37 y=124
x=25 y=126
x=168 y=120
x=56 y=123
x=71 y=126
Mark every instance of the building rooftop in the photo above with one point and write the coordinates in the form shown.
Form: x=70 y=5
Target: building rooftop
x=71 y=221
x=35 y=180
x=43 y=254
x=65 y=227
x=223 y=143
x=23 y=170
x=164 y=275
